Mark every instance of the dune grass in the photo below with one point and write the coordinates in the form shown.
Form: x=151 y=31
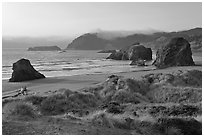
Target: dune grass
x=19 y=110
x=61 y=103
x=166 y=94
x=174 y=106
x=35 y=99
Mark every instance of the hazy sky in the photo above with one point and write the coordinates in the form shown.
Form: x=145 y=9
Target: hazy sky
x=70 y=19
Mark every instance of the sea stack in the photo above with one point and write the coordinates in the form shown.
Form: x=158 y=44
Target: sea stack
x=176 y=53
x=24 y=71
x=138 y=52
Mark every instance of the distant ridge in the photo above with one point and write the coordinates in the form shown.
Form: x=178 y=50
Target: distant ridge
x=91 y=41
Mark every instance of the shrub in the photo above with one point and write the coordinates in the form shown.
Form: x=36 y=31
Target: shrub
x=175 y=95
x=107 y=93
x=19 y=110
x=137 y=86
x=35 y=100
x=67 y=92
x=102 y=119
x=53 y=105
x=175 y=110
x=5 y=101
x=83 y=100
x=192 y=78
x=158 y=78
x=123 y=96
x=181 y=126
x=114 y=107
x=59 y=103
x=189 y=78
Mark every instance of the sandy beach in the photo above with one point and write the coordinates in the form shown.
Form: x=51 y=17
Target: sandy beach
x=76 y=82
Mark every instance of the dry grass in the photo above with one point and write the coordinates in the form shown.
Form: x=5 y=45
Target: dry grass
x=148 y=125
x=124 y=96
x=34 y=99
x=158 y=104
x=192 y=78
x=166 y=94
x=62 y=103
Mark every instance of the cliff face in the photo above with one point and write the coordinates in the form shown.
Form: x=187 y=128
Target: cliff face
x=91 y=41
x=44 y=48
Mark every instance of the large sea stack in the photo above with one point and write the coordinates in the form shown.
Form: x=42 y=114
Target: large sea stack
x=137 y=52
x=24 y=71
x=176 y=53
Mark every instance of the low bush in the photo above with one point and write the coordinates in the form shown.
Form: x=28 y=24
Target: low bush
x=124 y=96
x=191 y=78
x=59 y=103
x=34 y=99
x=168 y=94
x=54 y=105
x=179 y=126
x=136 y=86
x=182 y=110
x=102 y=119
x=19 y=110
x=5 y=101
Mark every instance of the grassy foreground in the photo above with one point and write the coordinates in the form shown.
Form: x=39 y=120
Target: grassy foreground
x=155 y=104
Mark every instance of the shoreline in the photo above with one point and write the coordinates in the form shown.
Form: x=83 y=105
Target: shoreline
x=197 y=59
x=77 y=82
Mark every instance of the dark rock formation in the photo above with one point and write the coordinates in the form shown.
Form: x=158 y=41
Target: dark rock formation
x=44 y=48
x=23 y=71
x=176 y=53
x=134 y=52
x=139 y=52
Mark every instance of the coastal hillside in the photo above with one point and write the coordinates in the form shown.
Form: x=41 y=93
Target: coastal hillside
x=88 y=42
x=92 y=41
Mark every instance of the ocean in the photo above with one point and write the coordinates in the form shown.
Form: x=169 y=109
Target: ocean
x=69 y=63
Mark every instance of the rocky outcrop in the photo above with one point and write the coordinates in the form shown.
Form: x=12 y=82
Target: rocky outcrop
x=137 y=52
x=44 y=48
x=176 y=53
x=24 y=71
x=134 y=52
